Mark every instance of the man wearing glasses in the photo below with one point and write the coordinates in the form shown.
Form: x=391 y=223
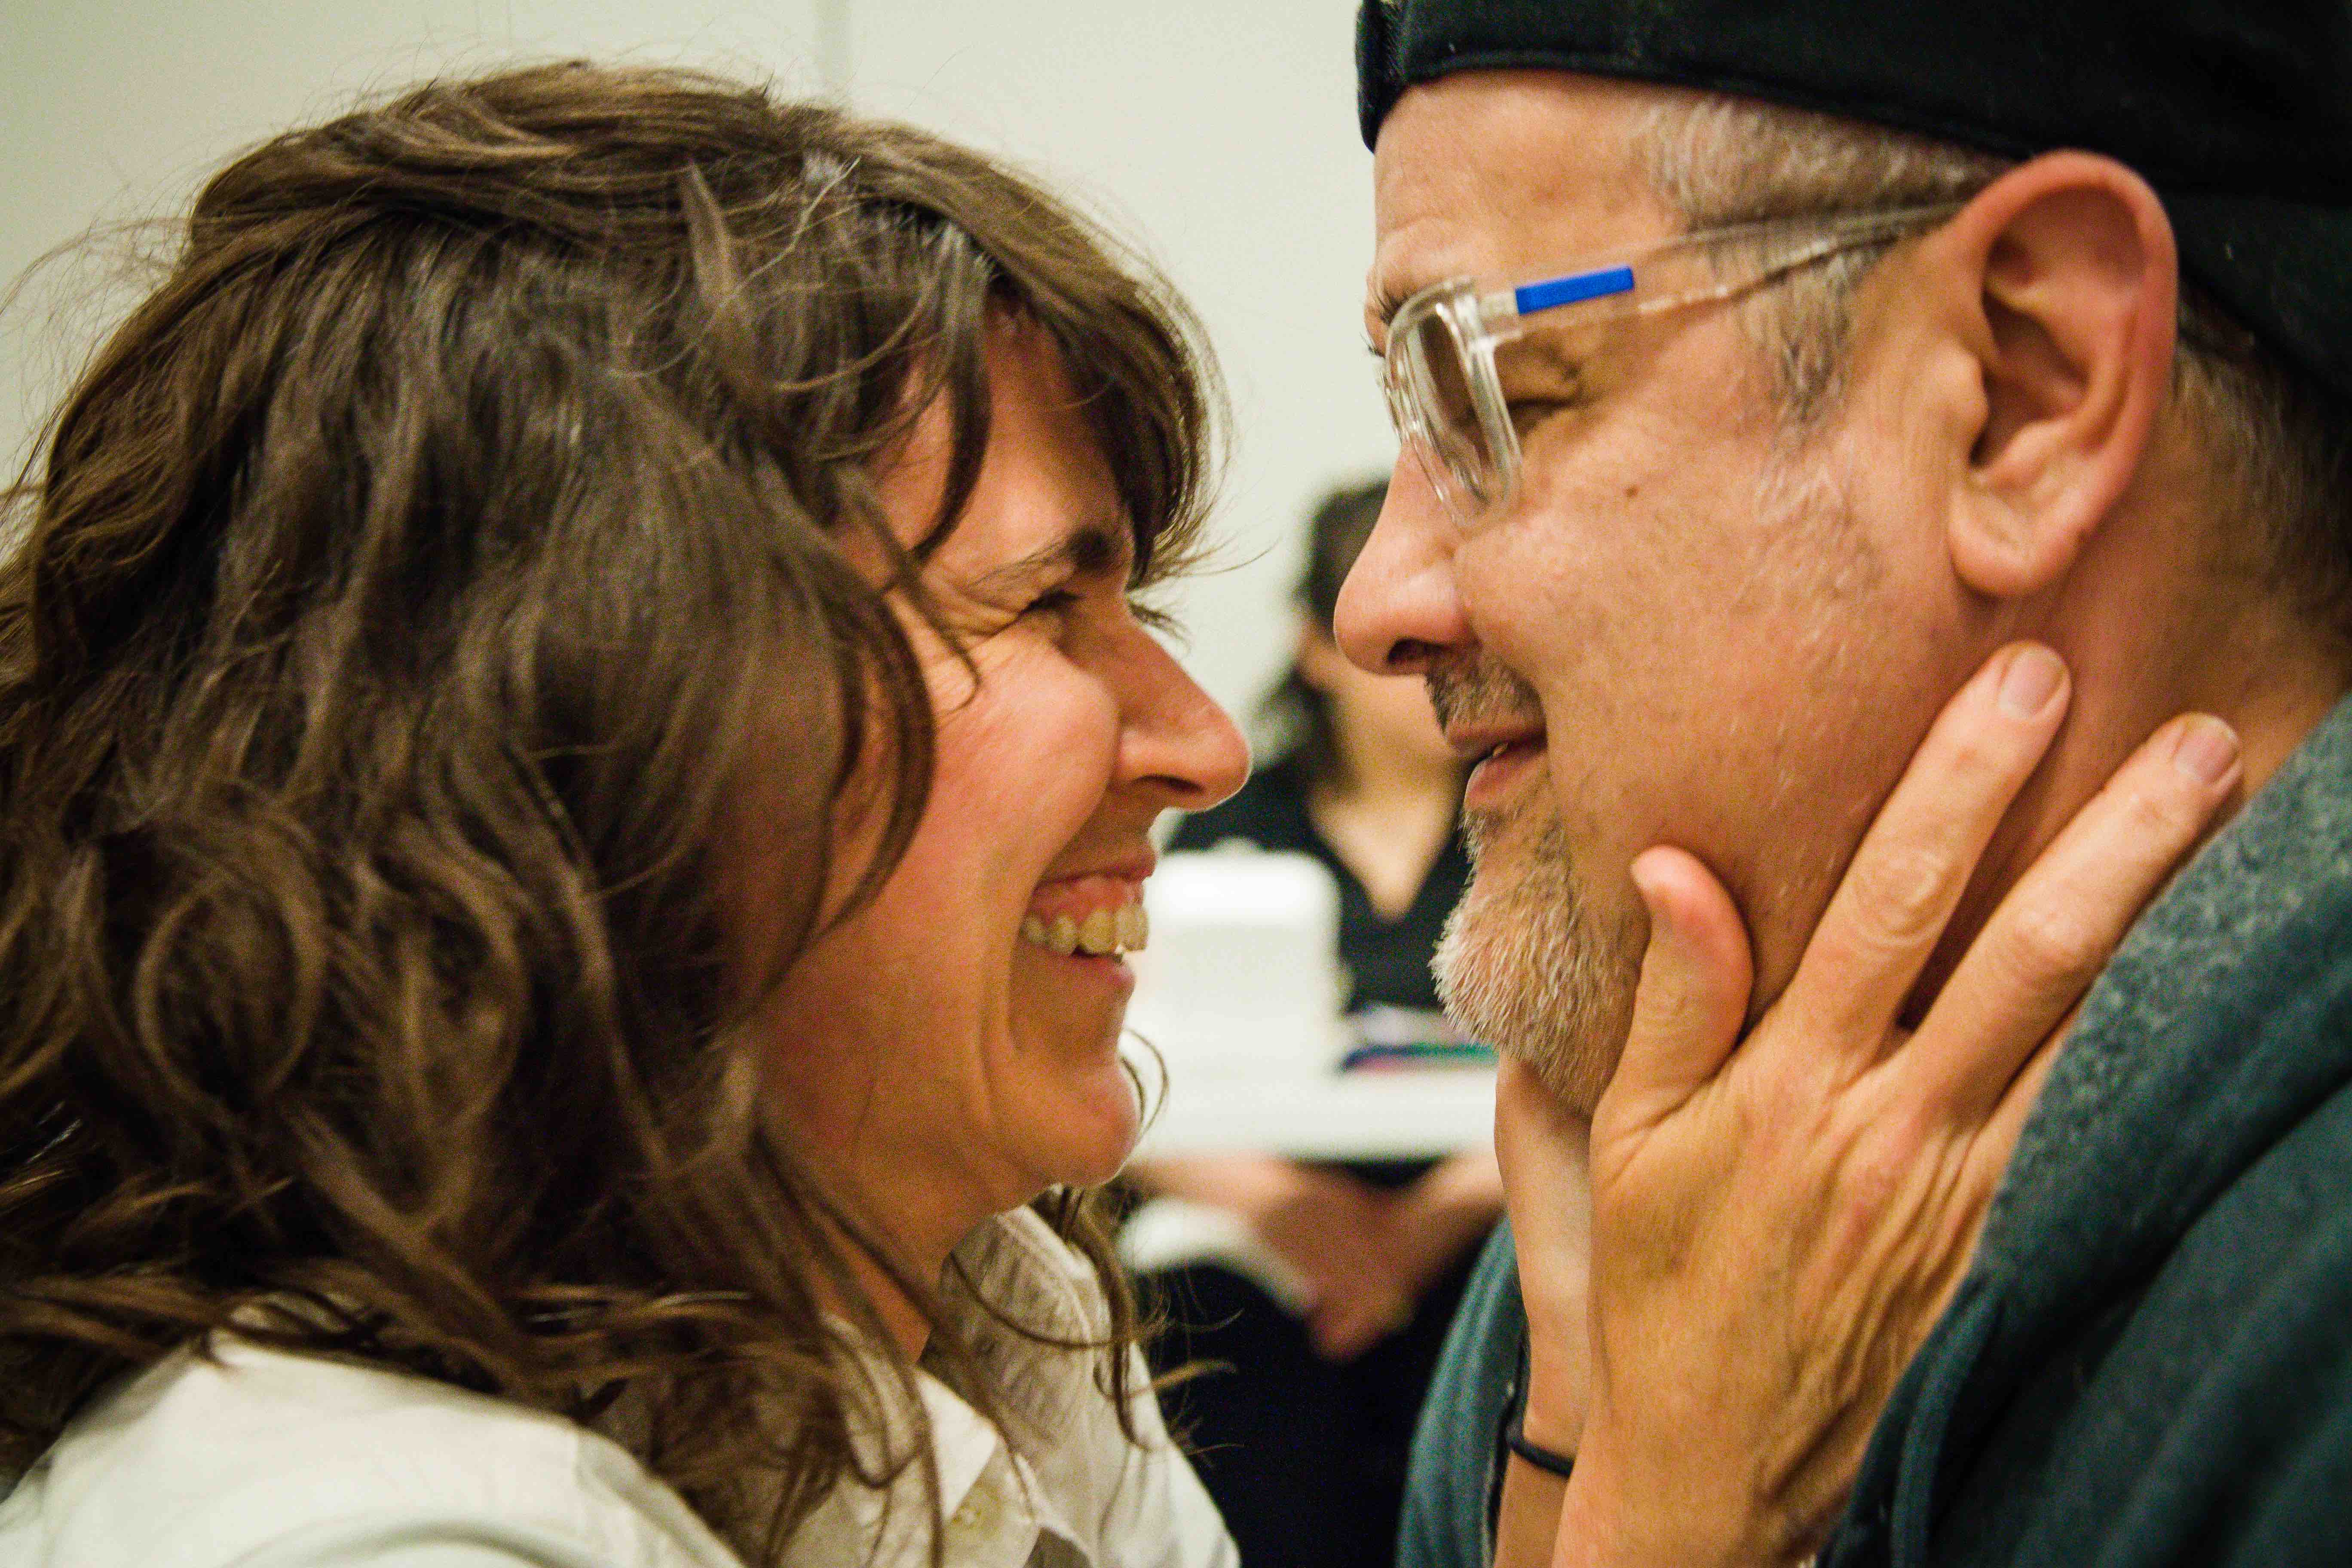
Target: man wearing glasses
x=1758 y=371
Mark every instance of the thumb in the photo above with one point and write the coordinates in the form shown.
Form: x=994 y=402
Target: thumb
x=1693 y=996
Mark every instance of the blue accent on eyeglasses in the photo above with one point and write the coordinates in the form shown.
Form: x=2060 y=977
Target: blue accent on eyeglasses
x=1572 y=289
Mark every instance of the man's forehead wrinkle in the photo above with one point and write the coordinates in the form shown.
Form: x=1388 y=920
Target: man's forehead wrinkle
x=1502 y=175
x=1427 y=212
x=1427 y=249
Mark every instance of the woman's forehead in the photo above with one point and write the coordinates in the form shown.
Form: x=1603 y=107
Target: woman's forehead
x=1043 y=484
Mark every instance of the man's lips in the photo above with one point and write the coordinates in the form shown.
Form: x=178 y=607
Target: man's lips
x=1472 y=739
x=1505 y=754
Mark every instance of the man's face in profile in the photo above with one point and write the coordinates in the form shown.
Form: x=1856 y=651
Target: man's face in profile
x=1694 y=624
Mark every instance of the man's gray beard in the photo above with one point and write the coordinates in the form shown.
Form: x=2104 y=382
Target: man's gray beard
x=1521 y=967
x=1523 y=964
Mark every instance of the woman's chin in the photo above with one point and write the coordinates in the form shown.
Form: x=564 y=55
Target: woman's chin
x=1099 y=1130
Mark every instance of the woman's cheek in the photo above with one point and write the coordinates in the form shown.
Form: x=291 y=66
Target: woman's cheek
x=1053 y=731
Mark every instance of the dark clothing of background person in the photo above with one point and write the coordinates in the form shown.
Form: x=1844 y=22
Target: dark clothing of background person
x=1387 y=961
x=2151 y=1359
x=1305 y=1457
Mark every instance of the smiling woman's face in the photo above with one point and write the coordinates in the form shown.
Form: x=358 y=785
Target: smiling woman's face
x=941 y=1056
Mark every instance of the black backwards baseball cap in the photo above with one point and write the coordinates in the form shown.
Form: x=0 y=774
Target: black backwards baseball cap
x=2238 y=112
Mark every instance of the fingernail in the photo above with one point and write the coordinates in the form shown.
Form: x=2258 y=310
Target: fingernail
x=1659 y=914
x=2206 y=751
x=2031 y=681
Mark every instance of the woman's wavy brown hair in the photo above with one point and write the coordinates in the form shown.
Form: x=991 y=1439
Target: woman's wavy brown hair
x=402 y=591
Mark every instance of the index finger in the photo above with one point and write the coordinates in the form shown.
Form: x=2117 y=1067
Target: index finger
x=2057 y=928
x=1915 y=862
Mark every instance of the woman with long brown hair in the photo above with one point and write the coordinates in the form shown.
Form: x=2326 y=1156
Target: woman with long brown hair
x=553 y=662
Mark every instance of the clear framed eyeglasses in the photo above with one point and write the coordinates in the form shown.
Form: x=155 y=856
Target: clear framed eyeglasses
x=1445 y=396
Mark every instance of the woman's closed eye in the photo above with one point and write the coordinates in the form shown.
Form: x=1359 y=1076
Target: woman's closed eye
x=1053 y=601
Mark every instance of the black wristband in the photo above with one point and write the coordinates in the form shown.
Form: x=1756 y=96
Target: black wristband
x=1543 y=1459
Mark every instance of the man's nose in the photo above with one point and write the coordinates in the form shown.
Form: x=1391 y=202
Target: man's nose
x=1399 y=608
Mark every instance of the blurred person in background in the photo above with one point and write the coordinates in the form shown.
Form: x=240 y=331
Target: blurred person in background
x=1301 y=1424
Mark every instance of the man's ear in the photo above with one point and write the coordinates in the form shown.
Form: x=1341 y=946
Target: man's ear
x=2064 y=278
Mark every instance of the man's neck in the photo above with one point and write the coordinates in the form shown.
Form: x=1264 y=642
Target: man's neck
x=2294 y=683
x=2139 y=657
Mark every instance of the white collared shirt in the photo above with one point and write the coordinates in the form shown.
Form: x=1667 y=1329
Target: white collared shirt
x=263 y=1459
x=1068 y=1488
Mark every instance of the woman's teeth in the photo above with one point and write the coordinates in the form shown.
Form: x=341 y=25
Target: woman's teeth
x=1123 y=930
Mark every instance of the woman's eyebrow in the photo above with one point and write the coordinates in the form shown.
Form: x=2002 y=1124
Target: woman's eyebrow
x=1093 y=546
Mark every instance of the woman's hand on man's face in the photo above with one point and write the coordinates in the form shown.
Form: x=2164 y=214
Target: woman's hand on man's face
x=1544 y=1148
x=1779 y=1219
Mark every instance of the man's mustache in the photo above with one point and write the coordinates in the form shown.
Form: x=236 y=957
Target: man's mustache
x=1481 y=691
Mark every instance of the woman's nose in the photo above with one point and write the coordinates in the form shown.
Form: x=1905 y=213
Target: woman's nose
x=1178 y=742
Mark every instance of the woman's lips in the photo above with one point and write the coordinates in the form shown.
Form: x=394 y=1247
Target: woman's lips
x=1502 y=771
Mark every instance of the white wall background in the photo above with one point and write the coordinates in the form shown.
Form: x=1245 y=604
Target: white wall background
x=1219 y=134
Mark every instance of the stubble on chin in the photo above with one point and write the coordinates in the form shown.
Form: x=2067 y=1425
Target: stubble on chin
x=1525 y=967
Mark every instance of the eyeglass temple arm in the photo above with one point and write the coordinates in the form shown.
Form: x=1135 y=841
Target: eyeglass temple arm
x=1499 y=310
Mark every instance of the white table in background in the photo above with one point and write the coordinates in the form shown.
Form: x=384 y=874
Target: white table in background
x=1273 y=1096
